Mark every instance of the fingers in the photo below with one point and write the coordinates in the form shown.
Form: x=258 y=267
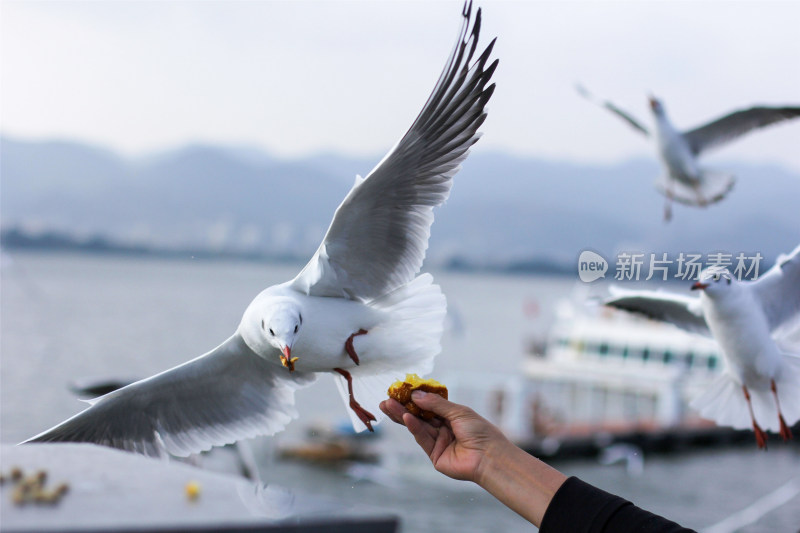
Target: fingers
x=438 y=405
x=394 y=410
x=423 y=433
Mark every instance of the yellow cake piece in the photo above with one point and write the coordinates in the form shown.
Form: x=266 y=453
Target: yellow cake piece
x=401 y=391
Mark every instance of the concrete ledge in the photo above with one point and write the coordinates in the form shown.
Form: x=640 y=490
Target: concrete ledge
x=111 y=490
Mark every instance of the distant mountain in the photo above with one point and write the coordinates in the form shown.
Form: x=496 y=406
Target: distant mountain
x=503 y=210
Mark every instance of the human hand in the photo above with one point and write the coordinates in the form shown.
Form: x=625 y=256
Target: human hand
x=458 y=442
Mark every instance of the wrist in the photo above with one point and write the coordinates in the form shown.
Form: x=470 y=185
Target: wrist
x=495 y=461
x=519 y=480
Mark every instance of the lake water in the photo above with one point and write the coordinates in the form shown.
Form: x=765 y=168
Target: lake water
x=67 y=317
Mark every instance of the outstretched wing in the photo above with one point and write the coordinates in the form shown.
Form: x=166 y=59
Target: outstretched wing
x=736 y=124
x=624 y=115
x=379 y=234
x=682 y=311
x=778 y=290
x=223 y=396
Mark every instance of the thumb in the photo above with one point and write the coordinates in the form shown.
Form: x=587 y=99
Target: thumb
x=438 y=405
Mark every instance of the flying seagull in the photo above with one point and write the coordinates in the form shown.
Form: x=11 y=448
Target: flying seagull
x=684 y=179
x=751 y=321
x=357 y=310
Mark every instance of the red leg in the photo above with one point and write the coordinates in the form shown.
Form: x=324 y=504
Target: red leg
x=348 y=345
x=761 y=437
x=786 y=433
x=364 y=415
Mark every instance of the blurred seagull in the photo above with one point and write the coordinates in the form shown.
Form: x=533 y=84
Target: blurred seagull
x=356 y=311
x=684 y=180
x=751 y=322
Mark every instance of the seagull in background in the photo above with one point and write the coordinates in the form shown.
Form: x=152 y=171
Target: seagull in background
x=684 y=179
x=752 y=322
x=357 y=311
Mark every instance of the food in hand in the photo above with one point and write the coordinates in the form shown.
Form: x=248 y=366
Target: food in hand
x=401 y=391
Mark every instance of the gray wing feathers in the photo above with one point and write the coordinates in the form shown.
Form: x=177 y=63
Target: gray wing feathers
x=736 y=124
x=219 y=398
x=379 y=234
x=778 y=290
x=684 y=312
x=624 y=115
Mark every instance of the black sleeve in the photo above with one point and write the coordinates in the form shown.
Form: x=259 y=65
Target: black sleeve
x=581 y=508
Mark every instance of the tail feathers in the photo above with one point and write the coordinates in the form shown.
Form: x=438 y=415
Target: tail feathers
x=406 y=343
x=713 y=187
x=411 y=338
x=724 y=401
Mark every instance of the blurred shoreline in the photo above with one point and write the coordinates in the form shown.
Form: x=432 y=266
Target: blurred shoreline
x=17 y=239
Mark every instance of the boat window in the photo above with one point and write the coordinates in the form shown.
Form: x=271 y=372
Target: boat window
x=646 y=354
x=690 y=359
x=712 y=362
x=668 y=357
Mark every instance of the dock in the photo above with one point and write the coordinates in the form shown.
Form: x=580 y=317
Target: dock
x=656 y=441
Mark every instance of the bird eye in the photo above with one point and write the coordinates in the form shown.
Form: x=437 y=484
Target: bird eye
x=271 y=332
x=295 y=328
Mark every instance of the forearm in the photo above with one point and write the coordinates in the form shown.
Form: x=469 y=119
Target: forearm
x=520 y=481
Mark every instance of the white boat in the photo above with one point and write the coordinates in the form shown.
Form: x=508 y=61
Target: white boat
x=600 y=376
x=607 y=370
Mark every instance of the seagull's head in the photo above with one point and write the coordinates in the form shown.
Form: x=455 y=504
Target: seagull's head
x=270 y=322
x=715 y=281
x=282 y=326
x=655 y=105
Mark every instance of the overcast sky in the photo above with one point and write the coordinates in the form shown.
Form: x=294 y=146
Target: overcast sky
x=302 y=77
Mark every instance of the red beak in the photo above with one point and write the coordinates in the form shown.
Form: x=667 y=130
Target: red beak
x=287 y=352
x=699 y=285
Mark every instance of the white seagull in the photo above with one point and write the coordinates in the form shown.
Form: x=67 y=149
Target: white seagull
x=752 y=322
x=684 y=179
x=356 y=311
